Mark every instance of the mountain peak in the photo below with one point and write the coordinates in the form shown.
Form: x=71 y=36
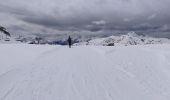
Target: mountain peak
x=130 y=38
x=132 y=34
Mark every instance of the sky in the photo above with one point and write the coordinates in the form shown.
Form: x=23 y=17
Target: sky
x=86 y=16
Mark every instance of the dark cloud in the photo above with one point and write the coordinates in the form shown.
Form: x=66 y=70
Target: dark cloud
x=95 y=16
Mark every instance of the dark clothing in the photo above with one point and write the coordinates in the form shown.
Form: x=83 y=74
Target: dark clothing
x=69 y=42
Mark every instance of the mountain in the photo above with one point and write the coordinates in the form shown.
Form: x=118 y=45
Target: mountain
x=129 y=39
x=52 y=39
x=6 y=39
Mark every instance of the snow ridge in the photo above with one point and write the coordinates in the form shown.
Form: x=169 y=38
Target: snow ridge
x=130 y=39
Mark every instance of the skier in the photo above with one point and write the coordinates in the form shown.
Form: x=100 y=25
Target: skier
x=69 y=41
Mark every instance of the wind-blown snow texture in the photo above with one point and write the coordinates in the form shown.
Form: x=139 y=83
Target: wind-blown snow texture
x=31 y=72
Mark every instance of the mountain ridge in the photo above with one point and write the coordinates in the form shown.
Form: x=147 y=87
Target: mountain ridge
x=130 y=38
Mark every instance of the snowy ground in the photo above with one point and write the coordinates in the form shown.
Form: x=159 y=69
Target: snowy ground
x=32 y=72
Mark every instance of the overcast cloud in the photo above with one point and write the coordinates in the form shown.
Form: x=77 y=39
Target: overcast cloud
x=86 y=16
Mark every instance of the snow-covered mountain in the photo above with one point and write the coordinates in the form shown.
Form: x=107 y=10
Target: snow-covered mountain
x=129 y=39
x=6 y=39
x=60 y=39
x=53 y=39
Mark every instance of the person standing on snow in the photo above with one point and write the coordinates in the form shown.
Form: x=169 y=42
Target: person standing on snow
x=69 y=41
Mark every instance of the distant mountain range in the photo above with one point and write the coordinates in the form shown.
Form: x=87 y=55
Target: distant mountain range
x=131 y=38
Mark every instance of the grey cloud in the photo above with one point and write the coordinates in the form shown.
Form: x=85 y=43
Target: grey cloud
x=91 y=16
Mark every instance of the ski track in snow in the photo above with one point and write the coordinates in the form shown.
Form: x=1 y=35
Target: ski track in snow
x=86 y=73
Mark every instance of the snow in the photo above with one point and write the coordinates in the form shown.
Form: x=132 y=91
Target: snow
x=130 y=38
x=37 y=72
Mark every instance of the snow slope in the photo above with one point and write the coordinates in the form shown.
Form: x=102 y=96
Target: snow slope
x=34 y=72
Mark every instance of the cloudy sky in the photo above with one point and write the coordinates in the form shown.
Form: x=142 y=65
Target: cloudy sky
x=86 y=16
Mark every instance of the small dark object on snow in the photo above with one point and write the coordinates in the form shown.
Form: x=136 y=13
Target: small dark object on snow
x=111 y=44
x=69 y=41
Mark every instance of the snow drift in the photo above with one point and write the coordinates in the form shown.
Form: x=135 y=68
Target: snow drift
x=32 y=72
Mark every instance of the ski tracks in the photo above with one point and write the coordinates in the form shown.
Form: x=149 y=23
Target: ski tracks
x=73 y=74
